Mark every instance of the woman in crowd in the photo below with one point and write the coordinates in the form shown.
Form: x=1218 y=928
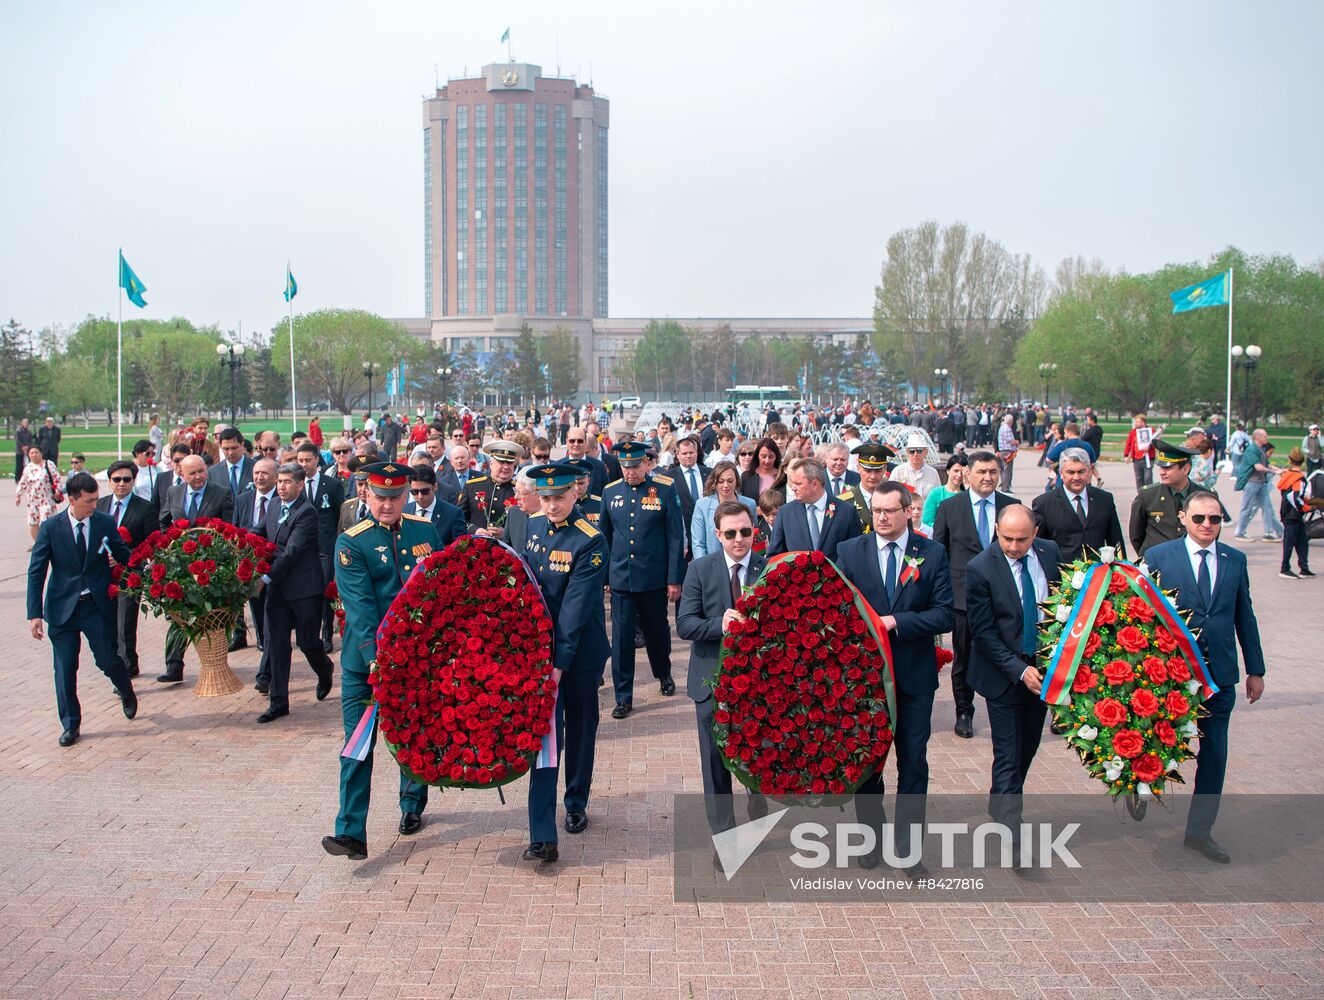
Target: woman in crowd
x=745 y=458
x=155 y=434
x=1203 y=472
x=666 y=455
x=315 y=432
x=39 y=488
x=767 y=472
x=957 y=466
x=721 y=485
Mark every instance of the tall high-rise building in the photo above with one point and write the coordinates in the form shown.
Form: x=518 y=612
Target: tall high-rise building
x=514 y=198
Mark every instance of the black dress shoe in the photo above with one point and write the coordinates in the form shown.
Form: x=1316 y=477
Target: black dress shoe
x=622 y=710
x=69 y=737
x=260 y=647
x=133 y=670
x=327 y=644
x=639 y=642
x=171 y=677
x=410 y=823
x=261 y=688
x=323 y=687
x=342 y=846
x=129 y=702
x=870 y=860
x=576 y=822
x=544 y=852
x=668 y=686
x=238 y=641
x=1207 y=847
x=272 y=714
x=964 y=726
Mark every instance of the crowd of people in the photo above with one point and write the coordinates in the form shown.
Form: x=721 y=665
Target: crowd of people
x=670 y=521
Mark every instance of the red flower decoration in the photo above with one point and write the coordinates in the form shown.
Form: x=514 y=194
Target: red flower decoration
x=1156 y=671
x=1132 y=639
x=1143 y=703
x=1118 y=672
x=1177 y=704
x=463 y=680
x=1128 y=743
x=1148 y=767
x=1110 y=712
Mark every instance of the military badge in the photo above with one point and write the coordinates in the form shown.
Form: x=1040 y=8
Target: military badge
x=345 y=559
x=596 y=560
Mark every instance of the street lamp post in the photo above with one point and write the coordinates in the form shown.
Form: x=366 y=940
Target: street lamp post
x=445 y=374
x=1046 y=372
x=232 y=356
x=1246 y=358
x=370 y=368
x=941 y=374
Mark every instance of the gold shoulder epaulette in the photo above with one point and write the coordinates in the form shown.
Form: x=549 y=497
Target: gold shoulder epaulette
x=846 y=496
x=588 y=529
x=418 y=517
x=594 y=496
x=664 y=480
x=358 y=529
x=476 y=479
x=613 y=483
x=536 y=513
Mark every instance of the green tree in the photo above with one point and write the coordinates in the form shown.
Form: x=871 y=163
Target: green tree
x=330 y=347
x=558 y=350
x=179 y=367
x=527 y=368
x=76 y=386
x=467 y=382
x=655 y=362
x=24 y=374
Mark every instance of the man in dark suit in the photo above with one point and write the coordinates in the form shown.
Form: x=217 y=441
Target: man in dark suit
x=48 y=439
x=133 y=516
x=294 y=588
x=1212 y=583
x=161 y=487
x=252 y=516
x=1005 y=586
x=193 y=498
x=839 y=477
x=234 y=472
x=453 y=474
x=813 y=520
x=326 y=495
x=576 y=448
x=447 y=518
x=72 y=547
x=965 y=526
x=713 y=584
x=1076 y=515
x=688 y=476
x=905 y=579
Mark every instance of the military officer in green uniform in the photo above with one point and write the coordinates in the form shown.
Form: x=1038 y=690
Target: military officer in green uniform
x=1154 y=511
x=872 y=461
x=568 y=557
x=373 y=560
x=485 y=499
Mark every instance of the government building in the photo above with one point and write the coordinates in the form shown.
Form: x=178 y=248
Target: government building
x=515 y=225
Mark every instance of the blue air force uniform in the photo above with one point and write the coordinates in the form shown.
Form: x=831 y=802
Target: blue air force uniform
x=372 y=563
x=569 y=561
x=645 y=534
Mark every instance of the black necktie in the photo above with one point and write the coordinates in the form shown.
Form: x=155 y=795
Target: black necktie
x=80 y=542
x=119 y=506
x=1080 y=508
x=194 y=503
x=262 y=514
x=1205 y=583
x=363 y=511
x=735 y=584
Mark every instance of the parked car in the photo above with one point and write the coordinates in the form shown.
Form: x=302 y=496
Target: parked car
x=628 y=403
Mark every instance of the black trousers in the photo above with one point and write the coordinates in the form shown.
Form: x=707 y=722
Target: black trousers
x=911 y=730
x=301 y=616
x=1016 y=724
x=718 y=803
x=649 y=609
x=258 y=606
x=962 y=692
x=67 y=642
x=126 y=624
x=1295 y=540
x=576 y=720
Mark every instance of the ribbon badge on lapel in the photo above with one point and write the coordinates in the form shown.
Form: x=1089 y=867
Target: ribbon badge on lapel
x=911 y=571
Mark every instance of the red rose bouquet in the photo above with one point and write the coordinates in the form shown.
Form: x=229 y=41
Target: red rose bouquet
x=1125 y=677
x=463 y=678
x=332 y=595
x=804 y=683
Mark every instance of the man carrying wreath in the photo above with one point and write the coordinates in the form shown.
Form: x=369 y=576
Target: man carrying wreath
x=568 y=557
x=372 y=562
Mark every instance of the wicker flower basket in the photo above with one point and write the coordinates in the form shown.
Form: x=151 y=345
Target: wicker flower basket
x=212 y=641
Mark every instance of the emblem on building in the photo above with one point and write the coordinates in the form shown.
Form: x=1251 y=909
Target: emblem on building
x=509 y=77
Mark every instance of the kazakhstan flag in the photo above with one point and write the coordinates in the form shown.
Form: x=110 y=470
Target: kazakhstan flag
x=1207 y=293
x=131 y=283
x=291 y=287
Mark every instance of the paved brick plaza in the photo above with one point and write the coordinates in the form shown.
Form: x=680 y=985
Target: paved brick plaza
x=178 y=856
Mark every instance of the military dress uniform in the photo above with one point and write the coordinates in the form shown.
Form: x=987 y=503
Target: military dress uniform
x=871 y=456
x=569 y=561
x=484 y=500
x=1155 y=510
x=372 y=563
x=645 y=536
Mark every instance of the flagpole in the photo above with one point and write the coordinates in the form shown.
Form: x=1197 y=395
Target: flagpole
x=294 y=405
x=119 y=375
x=1227 y=412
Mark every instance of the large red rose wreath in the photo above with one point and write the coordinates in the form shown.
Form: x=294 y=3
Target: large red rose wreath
x=804 y=683
x=463 y=680
x=1125 y=676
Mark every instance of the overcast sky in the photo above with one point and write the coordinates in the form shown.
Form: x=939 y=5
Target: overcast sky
x=761 y=153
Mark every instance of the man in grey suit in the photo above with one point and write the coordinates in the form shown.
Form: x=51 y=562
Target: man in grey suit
x=195 y=497
x=712 y=586
x=234 y=472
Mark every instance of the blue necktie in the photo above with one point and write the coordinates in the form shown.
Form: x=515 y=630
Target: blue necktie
x=694 y=485
x=284 y=513
x=812 y=512
x=889 y=578
x=234 y=480
x=985 y=532
x=1029 y=610
x=195 y=502
x=1205 y=583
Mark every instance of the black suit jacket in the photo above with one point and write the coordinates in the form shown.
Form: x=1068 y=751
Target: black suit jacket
x=791 y=531
x=296 y=571
x=326 y=502
x=55 y=551
x=923 y=608
x=993 y=606
x=849 y=478
x=250 y=506
x=704 y=598
x=516 y=534
x=219 y=475
x=687 y=498
x=161 y=490
x=954 y=529
x=447 y=518
x=139 y=518
x=216 y=502
x=1057 y=520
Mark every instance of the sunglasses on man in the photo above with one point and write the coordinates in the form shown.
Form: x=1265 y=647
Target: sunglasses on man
x=1214 y=519
x=422 y=492
x=340 y=451
x=121 y=479
x=731 y=533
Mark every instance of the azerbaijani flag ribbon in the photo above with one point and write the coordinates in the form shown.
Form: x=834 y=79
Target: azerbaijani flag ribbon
x=1065 y=661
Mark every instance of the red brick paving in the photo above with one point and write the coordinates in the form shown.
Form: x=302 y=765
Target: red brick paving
x=177 y=856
